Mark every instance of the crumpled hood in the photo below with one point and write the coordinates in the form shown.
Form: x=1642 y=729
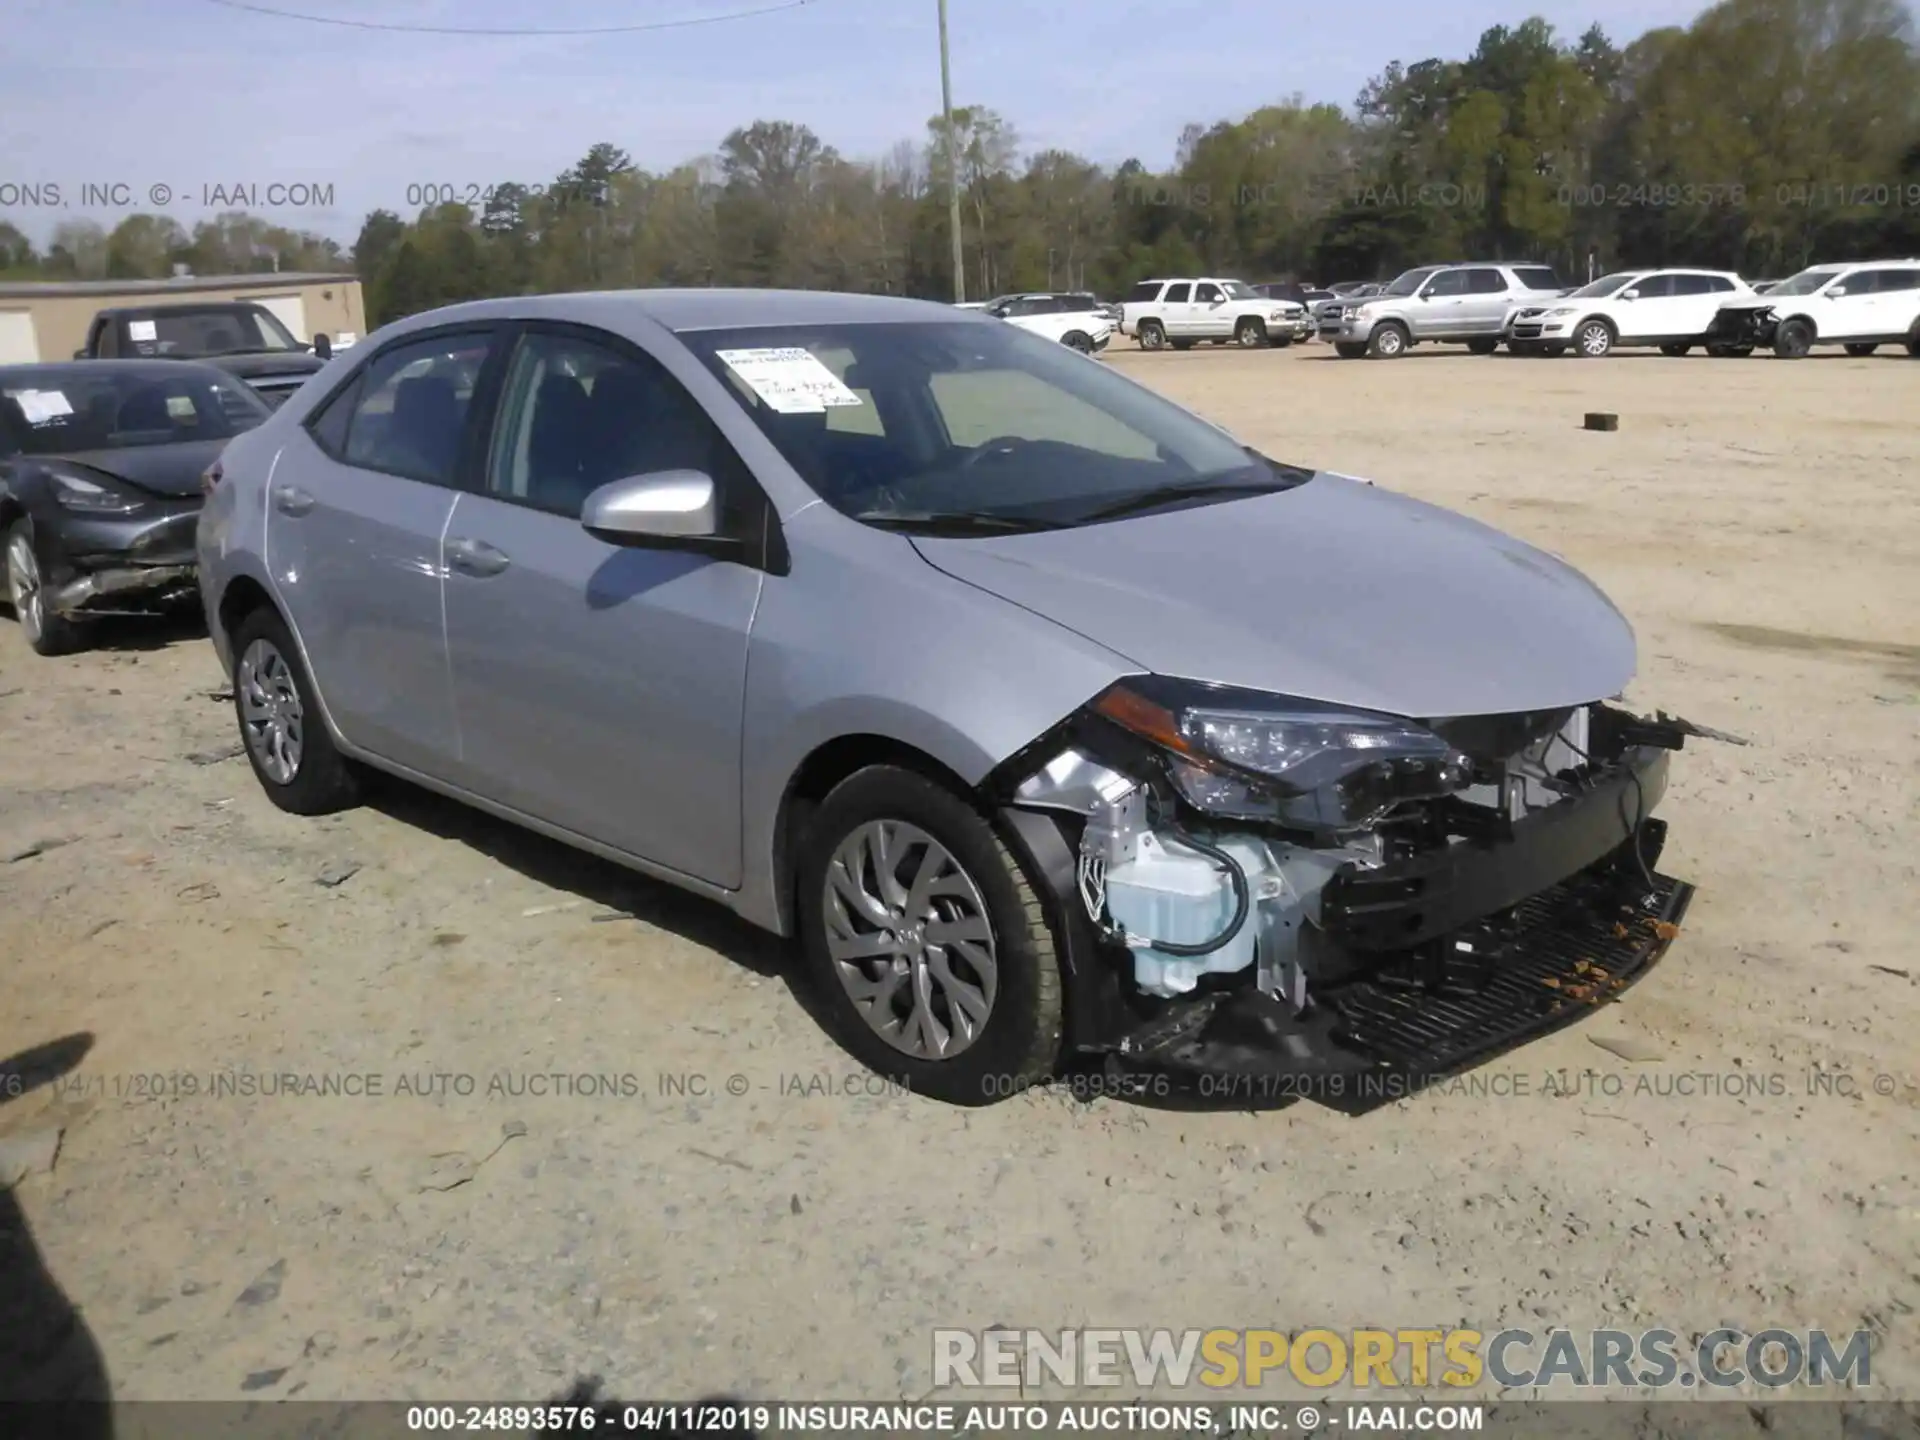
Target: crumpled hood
x=257 y=367
x=172 y=470
x=1334 y=591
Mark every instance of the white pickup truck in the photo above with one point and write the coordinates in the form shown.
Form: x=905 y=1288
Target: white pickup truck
x=1181 y=313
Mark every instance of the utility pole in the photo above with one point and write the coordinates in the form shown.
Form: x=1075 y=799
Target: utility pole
x=953 y=165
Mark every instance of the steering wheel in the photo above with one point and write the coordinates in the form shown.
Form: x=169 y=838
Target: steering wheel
x=999 y=447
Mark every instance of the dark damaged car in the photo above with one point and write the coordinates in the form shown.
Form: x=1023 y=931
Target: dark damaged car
x=1058 y=727
x=101 y=482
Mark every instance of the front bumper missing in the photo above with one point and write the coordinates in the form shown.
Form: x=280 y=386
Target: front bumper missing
x=82 y=596
x=1562 y=954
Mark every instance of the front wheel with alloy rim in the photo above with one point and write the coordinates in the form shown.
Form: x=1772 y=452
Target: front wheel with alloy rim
x=1078 y=340
x=925 y=941
x=1593 y=339
x=1388 y=342
x=1152 y=335
x=1250 y=334
x=46 y=632
x=292 y=754
x=1793 y=340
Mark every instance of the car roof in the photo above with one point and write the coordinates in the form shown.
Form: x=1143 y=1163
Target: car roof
x=57 y=370
x=701 y=309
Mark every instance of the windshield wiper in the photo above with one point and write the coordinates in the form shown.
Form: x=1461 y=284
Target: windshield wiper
x=1184 y=490
x=954 y=522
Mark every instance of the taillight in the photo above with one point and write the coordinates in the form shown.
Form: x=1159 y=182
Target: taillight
x=210 y=477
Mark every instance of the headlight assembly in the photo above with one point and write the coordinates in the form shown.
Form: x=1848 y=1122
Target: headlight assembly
x=1559 y=310
x=91 y=497
x=1296 y=763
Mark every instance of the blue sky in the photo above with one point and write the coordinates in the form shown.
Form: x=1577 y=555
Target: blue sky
x=185 y=95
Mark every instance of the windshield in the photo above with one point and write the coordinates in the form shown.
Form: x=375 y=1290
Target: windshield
x=215 y=330
x=1411 y=281
x=1605 y=285
x=1805 y=283
x=56 y=412
x=904 y=423
x=1239 y=290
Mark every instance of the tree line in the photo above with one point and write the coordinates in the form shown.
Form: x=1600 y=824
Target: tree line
x=1764 y=136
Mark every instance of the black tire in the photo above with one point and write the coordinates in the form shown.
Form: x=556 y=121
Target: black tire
x=1389 y=340
x=1793 y=339
x=1152 y=335
x=1729 y=352
x=45 y=633
x=1250 y=334
x=1593 y=340
x=1525 y=347
x=1020 y=1041
x=1282 y=340
x=1675 y=351
x=1913 y=345
x=1181 y=344
x=1482 y=347
x=1078 y=340
x=1861 y=350
x=1350 y=349
x=322 y=780
x=1555 y=348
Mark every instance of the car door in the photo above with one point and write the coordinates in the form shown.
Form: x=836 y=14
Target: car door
x=1849 y=307
x=357 y=506
x=1897 y=302
x=1439 y=310
x=1176 y=309
x=1484 y=307
x=1646 y=310
x=598 y=687
x=1211 y=318
x=1698 y=298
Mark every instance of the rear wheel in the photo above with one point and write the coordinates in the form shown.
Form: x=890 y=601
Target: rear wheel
x=1675 y=351
x=1389 y=341
x=1861 y=350
x=927 y=944
x=1152 y=335
x=1482 y=347
x=1593 y=339
x=46 y=632
x=1793 y=340
x=292 y=754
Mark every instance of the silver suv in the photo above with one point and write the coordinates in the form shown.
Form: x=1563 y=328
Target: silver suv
x=1449 y=304
x=919 y=638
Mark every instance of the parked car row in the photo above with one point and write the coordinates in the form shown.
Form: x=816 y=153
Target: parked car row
x=1859 y=306
x=915 y=637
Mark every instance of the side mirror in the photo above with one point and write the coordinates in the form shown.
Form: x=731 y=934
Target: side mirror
x=323 y=347
x=1629 y=294
x=666 y=505
x=1837 y=291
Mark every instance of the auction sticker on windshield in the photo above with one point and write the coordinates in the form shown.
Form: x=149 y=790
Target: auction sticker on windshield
x=142 y=330
x=792 y=380
x=41 y=407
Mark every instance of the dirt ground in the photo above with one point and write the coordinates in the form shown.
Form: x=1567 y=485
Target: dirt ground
x=721 y=1205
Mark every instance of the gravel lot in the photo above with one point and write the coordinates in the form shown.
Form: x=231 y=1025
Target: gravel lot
x=712 y=1210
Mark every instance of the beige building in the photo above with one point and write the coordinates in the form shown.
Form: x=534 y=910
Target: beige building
x=48 y=321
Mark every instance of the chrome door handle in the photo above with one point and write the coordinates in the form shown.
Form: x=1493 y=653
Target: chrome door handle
x=475 y=557
x=291 y=500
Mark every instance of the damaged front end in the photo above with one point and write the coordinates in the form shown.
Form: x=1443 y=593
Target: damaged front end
x=1279 y=888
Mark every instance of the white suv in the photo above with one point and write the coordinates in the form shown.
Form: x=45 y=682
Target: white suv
x=1672 y=309
x=1861 y=306
x=1180 y=313
x=1076 y=320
